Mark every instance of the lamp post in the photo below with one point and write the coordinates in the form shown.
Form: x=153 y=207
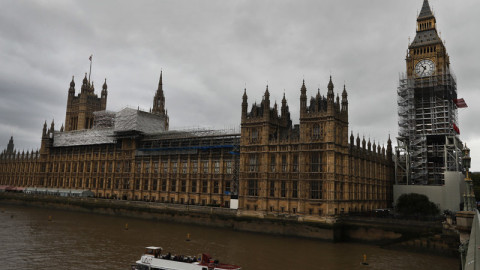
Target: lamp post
x=468 y=198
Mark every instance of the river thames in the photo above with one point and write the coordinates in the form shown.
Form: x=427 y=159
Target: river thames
x=75 y=240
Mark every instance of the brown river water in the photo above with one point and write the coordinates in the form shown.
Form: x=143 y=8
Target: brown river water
x=75 y=240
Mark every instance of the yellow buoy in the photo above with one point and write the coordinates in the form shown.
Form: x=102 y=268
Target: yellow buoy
x=49 y=218
x=188 y=237
x=364 y=259
x=126 y=226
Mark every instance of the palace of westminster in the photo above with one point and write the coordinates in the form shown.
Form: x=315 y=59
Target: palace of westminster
x=313 y=169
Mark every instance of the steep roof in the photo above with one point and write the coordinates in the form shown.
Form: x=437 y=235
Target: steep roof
x=427 y=37
x=426 y=12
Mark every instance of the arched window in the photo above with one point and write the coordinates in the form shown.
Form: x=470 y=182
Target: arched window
x=316 y=131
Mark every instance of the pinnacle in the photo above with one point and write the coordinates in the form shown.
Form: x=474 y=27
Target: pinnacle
x=426 y=11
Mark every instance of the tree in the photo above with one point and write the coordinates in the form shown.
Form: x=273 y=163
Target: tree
x=414 y=204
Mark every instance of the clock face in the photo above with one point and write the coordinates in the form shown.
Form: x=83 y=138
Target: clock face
x=424 y=68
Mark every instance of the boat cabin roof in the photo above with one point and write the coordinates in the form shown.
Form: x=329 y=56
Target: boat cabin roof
x=154 y=248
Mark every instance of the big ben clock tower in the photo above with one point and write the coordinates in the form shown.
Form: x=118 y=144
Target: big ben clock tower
x=428 y=138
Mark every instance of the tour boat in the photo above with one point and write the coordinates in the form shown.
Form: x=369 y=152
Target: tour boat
x=153 y=259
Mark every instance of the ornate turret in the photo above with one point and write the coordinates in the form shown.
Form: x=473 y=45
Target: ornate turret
x=284 y=106
x=389 y=149
x=44 y=132
x=85 y=85
x=330 y=97
x=303 y=98
x=10 y=146
x=71 y=90
x=344 y=100
x=244 y=104
x=52 y=126
x=159 y=102
x=104 y=95
x=266 y=104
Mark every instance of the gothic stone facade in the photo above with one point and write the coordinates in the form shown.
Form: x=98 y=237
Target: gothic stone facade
x=272 y=167
x=309 y=169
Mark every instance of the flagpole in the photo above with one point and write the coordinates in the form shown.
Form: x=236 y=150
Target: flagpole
x=90 y=68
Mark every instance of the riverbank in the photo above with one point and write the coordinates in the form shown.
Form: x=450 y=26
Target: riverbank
x=393 y=233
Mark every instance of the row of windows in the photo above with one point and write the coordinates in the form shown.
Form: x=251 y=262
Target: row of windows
x=425 y=50
x=156 y=185
x=173 y=167
x=315 y=190
x=315 y=163
x=423 y=26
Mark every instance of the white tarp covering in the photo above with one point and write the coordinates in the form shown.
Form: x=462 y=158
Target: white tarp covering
x=107 y=124
x=136 y=120
x=83 y=137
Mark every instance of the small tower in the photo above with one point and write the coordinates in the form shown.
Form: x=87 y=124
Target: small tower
x=344 y=100
x=71 y=90
x=266 y=104
x=104 y=95
x=244 y=104
x=330 y=97
x=10 y=145
x=303 y=99
x=159 y=102
x=284 y=107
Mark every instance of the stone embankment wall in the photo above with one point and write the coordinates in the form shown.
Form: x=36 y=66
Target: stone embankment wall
x=422 y=236
x=190 y=214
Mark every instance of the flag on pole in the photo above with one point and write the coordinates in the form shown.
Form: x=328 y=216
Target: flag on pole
x=90 y=58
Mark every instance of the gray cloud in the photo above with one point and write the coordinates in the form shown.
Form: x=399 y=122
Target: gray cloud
x=210 y=50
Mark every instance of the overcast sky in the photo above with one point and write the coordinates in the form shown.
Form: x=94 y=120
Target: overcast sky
x=211 y=50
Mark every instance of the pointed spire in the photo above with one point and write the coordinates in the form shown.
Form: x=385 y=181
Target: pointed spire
x=72 y=83
x=330 y=85
x=330 y=94
x=10 y=145
x=85 y=80
x=44 y=131
x=104 y=87
x=344 y=93
x=426 y=12
x=159 y=98
x=160 y=82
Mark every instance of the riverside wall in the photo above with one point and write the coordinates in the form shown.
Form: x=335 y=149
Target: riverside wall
x=394 y=233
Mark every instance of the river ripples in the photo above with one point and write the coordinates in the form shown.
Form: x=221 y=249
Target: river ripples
x=73 y=240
